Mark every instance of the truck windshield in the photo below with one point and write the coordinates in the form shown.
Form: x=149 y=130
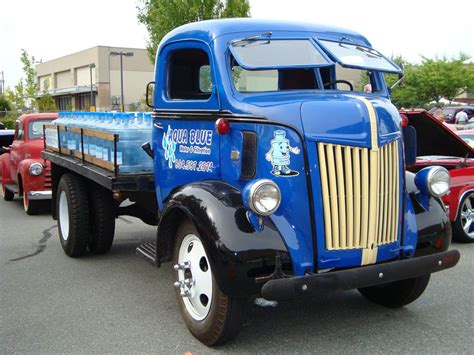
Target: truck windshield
x=354 y=55
x=271 y=53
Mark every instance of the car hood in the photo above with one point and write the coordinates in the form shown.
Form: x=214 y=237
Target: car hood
x=434 y=138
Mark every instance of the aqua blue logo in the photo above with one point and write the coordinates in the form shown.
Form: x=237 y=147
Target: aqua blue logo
x=170 y=147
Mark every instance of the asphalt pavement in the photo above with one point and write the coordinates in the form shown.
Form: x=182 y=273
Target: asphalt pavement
x=118 y=303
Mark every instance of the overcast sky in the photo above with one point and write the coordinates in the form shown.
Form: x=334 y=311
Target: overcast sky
x=48 y=29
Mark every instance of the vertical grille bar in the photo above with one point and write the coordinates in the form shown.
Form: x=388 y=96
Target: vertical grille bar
x=325 y=190
x=360 y=195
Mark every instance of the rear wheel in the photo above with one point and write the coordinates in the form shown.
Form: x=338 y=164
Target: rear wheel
x=397 y=294
x=73 y=215
x=463 y=226
x=7 y=194
x=31 y=207
x=102 y=220
x=212 y=317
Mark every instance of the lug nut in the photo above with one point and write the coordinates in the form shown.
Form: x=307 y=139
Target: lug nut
x=185 y=293
x=182 y=266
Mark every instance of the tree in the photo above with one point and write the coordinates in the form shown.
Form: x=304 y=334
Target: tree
x=17 y=96
x=161 y=16
x=5 y=105
x=46 y=102
x=30 y=87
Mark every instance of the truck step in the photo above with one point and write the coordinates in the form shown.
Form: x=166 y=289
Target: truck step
x=148 y=252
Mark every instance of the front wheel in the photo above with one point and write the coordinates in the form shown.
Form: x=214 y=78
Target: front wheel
x=31 y=207
x=463 y=226
x=212 y=317
x=396 y=294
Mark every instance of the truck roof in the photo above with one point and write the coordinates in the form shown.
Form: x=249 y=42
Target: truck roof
x=209 y=30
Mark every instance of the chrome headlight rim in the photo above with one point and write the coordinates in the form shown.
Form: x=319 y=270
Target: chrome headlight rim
x=251 y=196
x=36 y=169
x=429 y=180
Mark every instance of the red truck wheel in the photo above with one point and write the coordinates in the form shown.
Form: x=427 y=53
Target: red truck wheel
x=31 y=207
x=7 y=194
x=73 y=215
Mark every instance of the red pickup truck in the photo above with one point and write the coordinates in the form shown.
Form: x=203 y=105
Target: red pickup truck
x=22 y=170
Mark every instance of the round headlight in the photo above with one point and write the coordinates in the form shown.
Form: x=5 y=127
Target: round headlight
x=35 y=169
x=438 y=181
x=264 y=197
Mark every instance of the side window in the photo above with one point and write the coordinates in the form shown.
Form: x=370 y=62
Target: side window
x=19 y=131
x=189 y=75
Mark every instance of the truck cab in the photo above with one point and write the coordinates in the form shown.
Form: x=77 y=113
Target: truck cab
x=275 y=174
x=22 y=170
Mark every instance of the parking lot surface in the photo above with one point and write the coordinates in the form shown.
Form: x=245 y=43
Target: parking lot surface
x=119 y=303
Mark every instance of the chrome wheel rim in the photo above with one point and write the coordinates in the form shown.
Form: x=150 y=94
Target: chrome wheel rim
x=63 y=216
x=194 y=277
x=467 y=215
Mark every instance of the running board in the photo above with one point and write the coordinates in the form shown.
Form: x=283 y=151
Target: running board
x=12 y=188
x=148 y=252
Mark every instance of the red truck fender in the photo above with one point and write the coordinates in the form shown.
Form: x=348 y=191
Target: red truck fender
x=28 y=182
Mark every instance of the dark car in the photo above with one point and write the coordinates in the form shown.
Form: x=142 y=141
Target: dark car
x=450 y=112
x=6 y=139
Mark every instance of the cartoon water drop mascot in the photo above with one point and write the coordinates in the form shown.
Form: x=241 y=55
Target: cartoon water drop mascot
x=279 y=154
x=169 y=146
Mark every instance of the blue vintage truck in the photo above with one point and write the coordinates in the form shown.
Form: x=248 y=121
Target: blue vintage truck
x=274 y=174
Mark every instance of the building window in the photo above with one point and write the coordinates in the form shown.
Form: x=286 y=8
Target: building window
x=83 y=101
x=64 y=103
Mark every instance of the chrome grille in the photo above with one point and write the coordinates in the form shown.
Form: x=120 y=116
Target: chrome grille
x=47 y=179
x=360 y=189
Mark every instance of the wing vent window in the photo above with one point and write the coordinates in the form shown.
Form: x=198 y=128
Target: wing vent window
x=189 y=75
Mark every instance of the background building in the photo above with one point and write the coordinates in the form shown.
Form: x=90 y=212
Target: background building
x=68 y=78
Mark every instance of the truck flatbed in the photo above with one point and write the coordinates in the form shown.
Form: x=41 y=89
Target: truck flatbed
x=107 y=179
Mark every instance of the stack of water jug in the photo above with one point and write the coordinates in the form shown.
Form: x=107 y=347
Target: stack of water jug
x=133 y=129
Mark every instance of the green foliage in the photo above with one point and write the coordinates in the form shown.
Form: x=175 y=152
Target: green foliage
x=5 y=105
x=46 y=102
x=161 y=16
x=432 y=80
x=28 y=63
x=9 y=122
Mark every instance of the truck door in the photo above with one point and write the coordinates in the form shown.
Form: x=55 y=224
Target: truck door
x=186 y=105
x=16 y=151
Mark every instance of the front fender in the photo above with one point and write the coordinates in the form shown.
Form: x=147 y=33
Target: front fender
x=30 y=182
x=5 y=169
x=238 y=254
x=433 y=225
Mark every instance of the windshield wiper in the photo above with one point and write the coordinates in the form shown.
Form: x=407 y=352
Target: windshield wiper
x=368 y=51
x=245 y=40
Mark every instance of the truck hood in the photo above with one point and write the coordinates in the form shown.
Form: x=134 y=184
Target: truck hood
x=434 y=138
x=337 y=118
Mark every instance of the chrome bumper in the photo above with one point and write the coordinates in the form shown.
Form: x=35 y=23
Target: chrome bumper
x=39 y=195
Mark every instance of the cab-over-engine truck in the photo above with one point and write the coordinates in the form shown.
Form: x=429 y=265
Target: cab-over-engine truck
x=273 y=175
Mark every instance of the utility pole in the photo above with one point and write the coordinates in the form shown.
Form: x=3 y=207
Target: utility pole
x=121 y=54
x=2 y=83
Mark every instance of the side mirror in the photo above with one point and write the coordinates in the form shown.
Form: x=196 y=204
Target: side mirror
x=150 y=89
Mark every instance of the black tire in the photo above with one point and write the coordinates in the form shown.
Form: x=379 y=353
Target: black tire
x=102 y=220
x=7 y=194
x=224 y=319
x=31 y=207
x=73 y=210
x=466 y=206
x=396 y=294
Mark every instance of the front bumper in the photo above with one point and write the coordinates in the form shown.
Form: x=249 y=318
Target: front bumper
x=366 y=276
x=39 y=195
